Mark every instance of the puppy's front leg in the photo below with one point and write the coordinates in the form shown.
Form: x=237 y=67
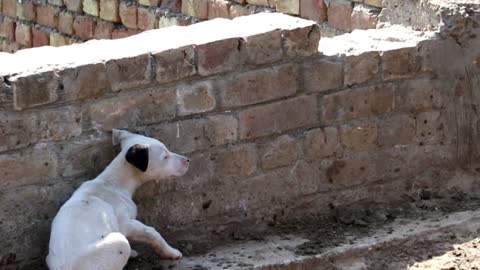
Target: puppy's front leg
x=138 y=231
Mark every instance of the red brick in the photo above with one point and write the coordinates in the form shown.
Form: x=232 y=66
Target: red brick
x=218 y=9
x=47 y=16
x=263 y=48
x=40 y=37
x=26 y=11
x=356 y=103
x=239 y=10
x=218 y=56
x=362 y=68
x=322 y=76
x=9 y=8
x=400 y=64
x=23 y=35
x=237 y=161
x=195 y=8
x=173 y=5
x=128 y=14
x=313 y=10
x=123 y=33
x=84 y=27
x=65 y=22
x=278 y=117
x=364 y=17
x=302 y=41
x=146 y=19
x=321 y=143
x=127 y=73
x=33 y=90
x=175 y=64
x=258 y=86
x=103 y=30
x=7 y=28
x=109 y=10
x=340 y=15
x=73 y=5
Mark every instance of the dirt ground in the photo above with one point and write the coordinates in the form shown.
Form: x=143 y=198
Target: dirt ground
x=450 y=251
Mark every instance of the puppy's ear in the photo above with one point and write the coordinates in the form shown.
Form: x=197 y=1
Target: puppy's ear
x=137 y=155
x=119 y=135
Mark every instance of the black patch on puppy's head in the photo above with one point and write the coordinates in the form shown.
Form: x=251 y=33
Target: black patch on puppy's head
x=137 y=155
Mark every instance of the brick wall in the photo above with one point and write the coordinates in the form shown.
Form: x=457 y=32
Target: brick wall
x=34 y=23
x=274 y=128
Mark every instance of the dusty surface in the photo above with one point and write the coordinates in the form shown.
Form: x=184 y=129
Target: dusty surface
x=427 y=230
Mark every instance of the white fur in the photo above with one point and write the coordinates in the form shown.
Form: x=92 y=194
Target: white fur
x=91 y=229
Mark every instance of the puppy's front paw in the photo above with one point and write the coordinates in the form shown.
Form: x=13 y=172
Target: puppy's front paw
x=170 y=254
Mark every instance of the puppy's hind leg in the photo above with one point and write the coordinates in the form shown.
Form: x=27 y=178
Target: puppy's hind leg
x=110 y=253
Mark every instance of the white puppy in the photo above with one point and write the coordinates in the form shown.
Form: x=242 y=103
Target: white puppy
x=91 y=229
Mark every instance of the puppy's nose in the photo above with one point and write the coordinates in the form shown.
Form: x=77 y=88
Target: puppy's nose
x=187 y=161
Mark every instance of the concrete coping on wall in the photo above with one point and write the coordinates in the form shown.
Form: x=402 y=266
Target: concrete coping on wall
x=155 y=41
x=384 y=39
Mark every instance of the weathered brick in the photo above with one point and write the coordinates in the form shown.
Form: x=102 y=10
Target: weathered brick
x=123 y=33
x=88 y=81
x=339 y=15
x=352 y=171
x=129 y=73
x=196 y=134
x=173 y=65
x=263 y=48
x=65 y=22
x=31 y=90
x=84 y=27
x=222 y=129
x=91 y=7
x=239 y=10
x=218 y=56
x=400 y=64
x=258 y=86
x=278 y=117
x=173 y=5
x=47 y=16
x=150 y=3
x=288 y=6
x=7 y=28
x=418 y=95
x=9 y=8
x=86 y=158
x=27 y=167
x=166 y=21
x=302 y=41
x=11 y=46
x=265 y=3
x=133 y=110
x=109 y=10
x=360 y=102
x=313 y=10
x=195 y=98
x=56 y=2
x=26 y=11
x=362 y=68
x=40 y=37
x=430 y=127
x=19 y=130
x=103 y=30
x=128 y=14
x=396 y=130
x=279 y=153
x=321 y=143
x=374 y=3
x=74 y=5
x=364 y=17
x=57 y=39
x=23 y=34
x=218 y=9
x=359 y=136
x=195 y=8
x=322 y=76
x=238 y=161
x=146 y=19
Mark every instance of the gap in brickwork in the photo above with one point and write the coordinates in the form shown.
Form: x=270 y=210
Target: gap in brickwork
x=35 y=23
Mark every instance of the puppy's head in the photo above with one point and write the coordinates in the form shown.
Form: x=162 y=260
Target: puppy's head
x=149 y=156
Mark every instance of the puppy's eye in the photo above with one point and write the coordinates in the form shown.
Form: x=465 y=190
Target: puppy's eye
x=165 y=157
